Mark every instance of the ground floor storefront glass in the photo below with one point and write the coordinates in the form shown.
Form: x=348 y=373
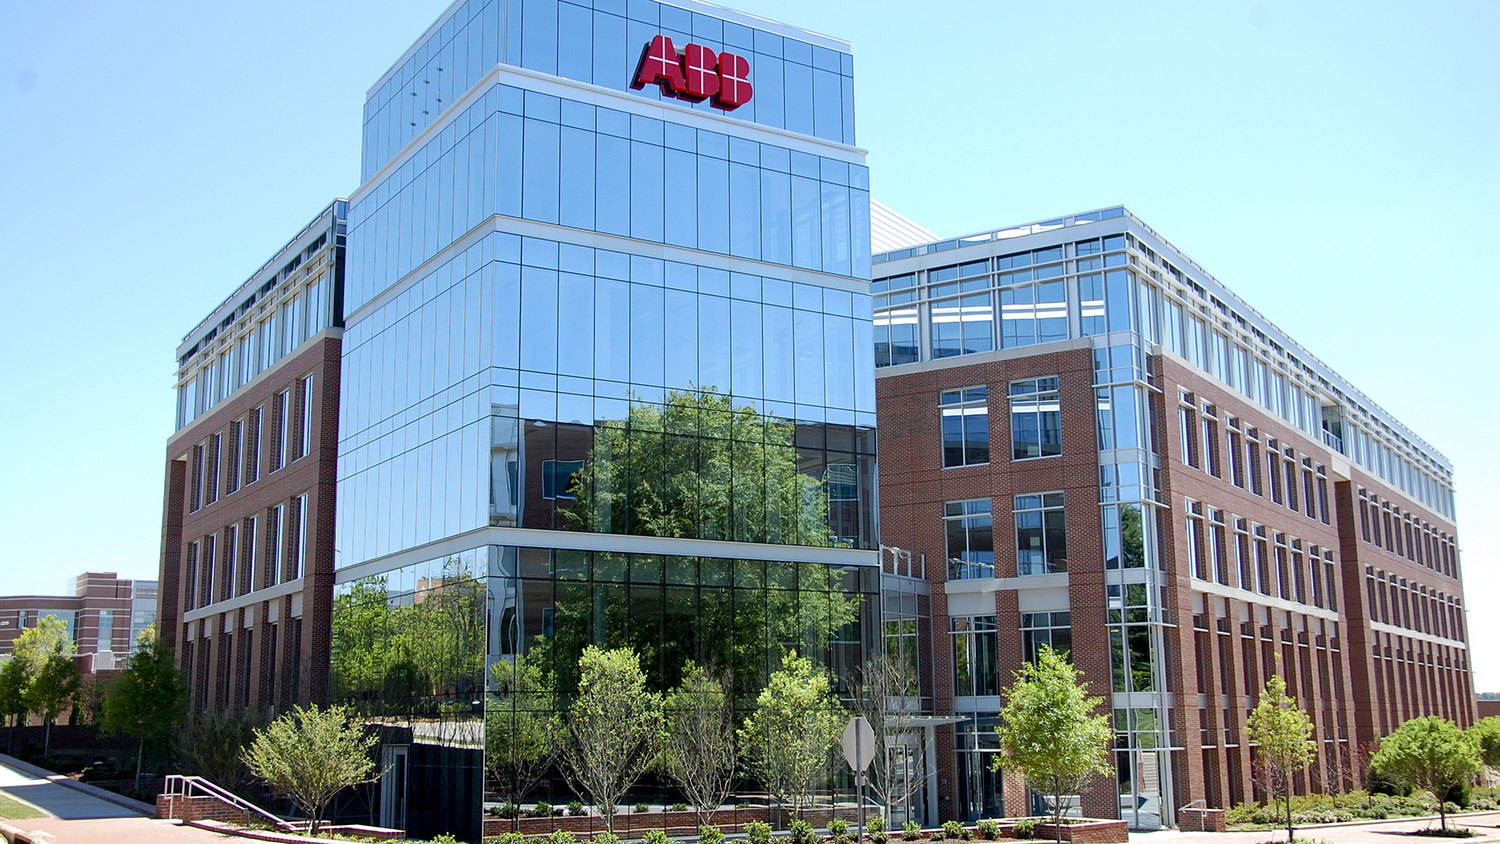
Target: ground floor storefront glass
x=467 y=663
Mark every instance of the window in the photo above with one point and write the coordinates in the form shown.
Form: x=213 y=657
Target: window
x=1033 y=313
x=1209 y=442
x=251 y=524
x=195 y=479
x=274 y=543
x=557 y=478
x=232 y=465
x=298 y=559
x=1273 y=471
x=1041 y=539
x=106 y=640
x=1187 y=429
x=1053 y=629
x=971 y=541
x=189 y=579
x=304 y=435
x=1197 y=553
x=1218 y=552
x=280 y=421
x=966 y=426
x=211 y=469
x=250 y=460
x=1289 y=472
x=230 y=587
x=1035 y=419
x=1236 y=459
x=206 y=571
x=963 y=325
x=976 y=656
x=1252 y=461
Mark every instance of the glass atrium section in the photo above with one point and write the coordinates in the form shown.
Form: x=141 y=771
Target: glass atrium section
x=477 y=649
x=800 y=85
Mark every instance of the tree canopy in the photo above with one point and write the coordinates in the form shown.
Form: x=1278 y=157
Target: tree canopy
x=699 y=754
x=1486 y=732
x=698 y=466
x=1050 y=730
x=1283 y=733
x=149 y=698
x=789 y=739
x=46 y=651
x=615 y=728
x=312 y=754
x=1430 y=753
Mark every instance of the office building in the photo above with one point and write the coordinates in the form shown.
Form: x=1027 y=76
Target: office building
x=1093 y=444
x=104 y=616
x=247 y=533
x=605 y=373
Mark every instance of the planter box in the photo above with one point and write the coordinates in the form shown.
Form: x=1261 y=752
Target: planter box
x=1201 y=820
x=628 y=824
x=198 y=809
x=1087 y=831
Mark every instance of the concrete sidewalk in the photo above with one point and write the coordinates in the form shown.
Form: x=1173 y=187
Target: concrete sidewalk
x=56 y=799
x=1487 y=824
x=131 y=830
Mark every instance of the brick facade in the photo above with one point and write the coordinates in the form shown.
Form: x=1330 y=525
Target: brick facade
x=238 y=648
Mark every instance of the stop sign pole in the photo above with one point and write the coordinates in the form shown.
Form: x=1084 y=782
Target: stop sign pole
x=859 y=752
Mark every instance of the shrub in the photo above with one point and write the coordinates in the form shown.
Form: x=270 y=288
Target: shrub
x=1450 y=832
x=575 y=808
x=876 y=827
x=758 y=832
x=642 y=808
x=445 y=838
x=678 y=807
x=710 y=834
x=802 y=833
x=742 y=806
x=838 y=830
x=938 y=834
x=988 y=830
x=542 y=809
x=562 y=836
x=508 y=810
x=910 y=831
x=606 y=838
x=1026 y=827
x=655 y=836
x=507 y=838
x=956 y=830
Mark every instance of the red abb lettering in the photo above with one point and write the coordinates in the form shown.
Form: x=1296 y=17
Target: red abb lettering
x=660 y=64
x=734 y=81
x=700 y=66
x=696 y=75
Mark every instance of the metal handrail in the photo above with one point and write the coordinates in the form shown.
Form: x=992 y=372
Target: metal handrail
x=181 y=785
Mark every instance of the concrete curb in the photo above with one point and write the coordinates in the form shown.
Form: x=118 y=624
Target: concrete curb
x=1409 y=819
x=91 y=790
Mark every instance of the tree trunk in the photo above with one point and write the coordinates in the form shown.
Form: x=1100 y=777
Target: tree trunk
x=1442 y=810
x=139 y=752
x=1290 y=832
x=1057 y=813
x=47 y=742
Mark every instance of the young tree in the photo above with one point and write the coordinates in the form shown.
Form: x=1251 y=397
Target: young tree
x=881 y=697
x=13 y=682
x=699 y=754
x=310 y=755
x=1431 y=753
x=790 y=738
x=1486 y=733
x=149 y=699
x=213 y=745
x=615 y=727
x=1050 y=731
x=1284 y=735
x=52 y=678
x=521 y=726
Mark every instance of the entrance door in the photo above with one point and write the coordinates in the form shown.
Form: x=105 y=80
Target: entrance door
x=393 y=787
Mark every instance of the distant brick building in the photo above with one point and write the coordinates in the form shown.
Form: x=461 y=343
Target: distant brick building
x=104 y=615
x=1095 y=445
x=247 y=534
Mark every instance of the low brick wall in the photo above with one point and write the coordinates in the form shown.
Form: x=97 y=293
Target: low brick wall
x=633 y=825
x=1088 y=831
x=289 y=838
x=198 y=809
x=1201 y=820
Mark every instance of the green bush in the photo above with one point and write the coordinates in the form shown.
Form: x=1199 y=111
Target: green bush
x=758 y=832
x=710 y=834
x=876 y=827
x=956 y=830
x=988 y=830
x=642 y=808
x=938 y=834
x=655 y=836
x=910 y=831
x=562 y=836
x=1026 y=827
x=802 y=833
x=542 y=809
x=575 y=808
x=838 y=827
x=506 y=838
x=678 y=807
x=606 y=838
x=445 y=838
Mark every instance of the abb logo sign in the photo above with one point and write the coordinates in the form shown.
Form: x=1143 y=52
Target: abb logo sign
x=696 y=75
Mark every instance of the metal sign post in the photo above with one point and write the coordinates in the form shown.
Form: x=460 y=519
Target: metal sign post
x=859 y=752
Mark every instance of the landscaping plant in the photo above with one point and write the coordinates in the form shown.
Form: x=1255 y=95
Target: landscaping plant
x=1430 y=753
x=1284 y=733
x=310 y=755
x=615 y=727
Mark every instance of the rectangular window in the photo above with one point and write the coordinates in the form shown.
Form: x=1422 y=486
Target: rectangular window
x=1236 y=461
x=304 y=433
x=250 y=460
x=1243 y=560
x=232 y=456
x=1035 y=419
x=195 y=479
x=1041 y=538
x=231 y=584
x=557 y=478
x=1309 y=495
x=976 y=656
x=252 y=545
x=1218 y=554
x=966 y=426
x=1289 y=469
x=274 y=543
x=971 y=542
x=1197 y=554
x=1209 y=429
x=1323 y=513
x=1273 y=471
x=1187 y=426
x=106 y=639
x=280 y=421
x=298 y=561
x=189 y=578
x=1252 y=463
x=1050 y=629
x=206 y=571
x=211 y=468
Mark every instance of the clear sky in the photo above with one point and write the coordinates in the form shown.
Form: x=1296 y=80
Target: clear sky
x=1337 y=165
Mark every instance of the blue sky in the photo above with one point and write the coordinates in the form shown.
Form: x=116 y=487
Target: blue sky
x=1337 y=165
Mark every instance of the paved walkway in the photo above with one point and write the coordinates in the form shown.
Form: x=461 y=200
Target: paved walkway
x=59 y=801
x=131 y=830
x=1487 y=824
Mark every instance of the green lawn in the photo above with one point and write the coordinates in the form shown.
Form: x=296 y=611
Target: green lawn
x=15 y=809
